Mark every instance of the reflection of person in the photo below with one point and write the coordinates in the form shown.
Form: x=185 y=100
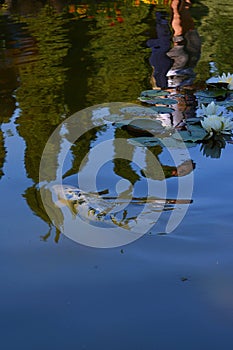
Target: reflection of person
x=187 y=45
x=159 y=60
x=173 y=66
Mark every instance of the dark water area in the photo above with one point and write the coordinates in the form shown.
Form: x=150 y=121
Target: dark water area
x=162 y=291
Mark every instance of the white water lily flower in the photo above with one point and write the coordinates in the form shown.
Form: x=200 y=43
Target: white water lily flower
x=227 y=79
x=224 y=78
x=217 y=123
x=210 y=109
x=213 y=109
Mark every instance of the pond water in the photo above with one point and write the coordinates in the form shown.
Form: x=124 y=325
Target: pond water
x=167 y=289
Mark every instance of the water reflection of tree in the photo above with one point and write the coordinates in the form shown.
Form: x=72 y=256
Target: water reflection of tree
x=41 y=92
x=41 y=96
x=80 y=150
x=216 y=33
x=123 y=164
x=7 y=107
x=119 y=60
x=33 y=197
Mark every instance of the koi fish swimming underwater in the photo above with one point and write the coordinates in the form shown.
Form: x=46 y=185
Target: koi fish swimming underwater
x=99 y=208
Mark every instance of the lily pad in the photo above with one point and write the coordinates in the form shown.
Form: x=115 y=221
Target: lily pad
x=147 y=100
x=217 y=83
x=153 y=126
x=136 y=131
x=158 y=100
x=167 y=142
x=193 y=134
x=154 y=93
x=166 y=101
x=226 y=103
x=122 y=123
x=215 y=93
x=174 y=143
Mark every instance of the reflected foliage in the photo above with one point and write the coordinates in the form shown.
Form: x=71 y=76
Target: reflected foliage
x=33 y=198
x=79 y=151
x=41 y=97
x=77 y=62
x=41 y=92
x=123 y=166
x=216 y=32
x=119 y=55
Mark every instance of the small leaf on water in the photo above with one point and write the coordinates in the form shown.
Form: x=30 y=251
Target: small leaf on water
x=147 y=100
x=226 y=103
x=168 y=142
x=162 y=109
x=175 y=143
x=215 y=82
x=193 y=134
x=136 y=131
x=153 y=93
x=122 y=123
x=160 y=101
x=215 y=93
x=219 y=85
x=150 y=125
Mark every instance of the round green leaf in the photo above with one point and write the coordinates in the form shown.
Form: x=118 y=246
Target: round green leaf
x=161 y=101
x=193 y=134
x=215 y=93
x=162 y=109
x=154 y=93
x=153 y=126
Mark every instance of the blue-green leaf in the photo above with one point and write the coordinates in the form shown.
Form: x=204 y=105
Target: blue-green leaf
x=154 y=93
x=194 y=133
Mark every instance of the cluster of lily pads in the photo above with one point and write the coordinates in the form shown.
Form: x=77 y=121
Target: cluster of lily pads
x=213 y=114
